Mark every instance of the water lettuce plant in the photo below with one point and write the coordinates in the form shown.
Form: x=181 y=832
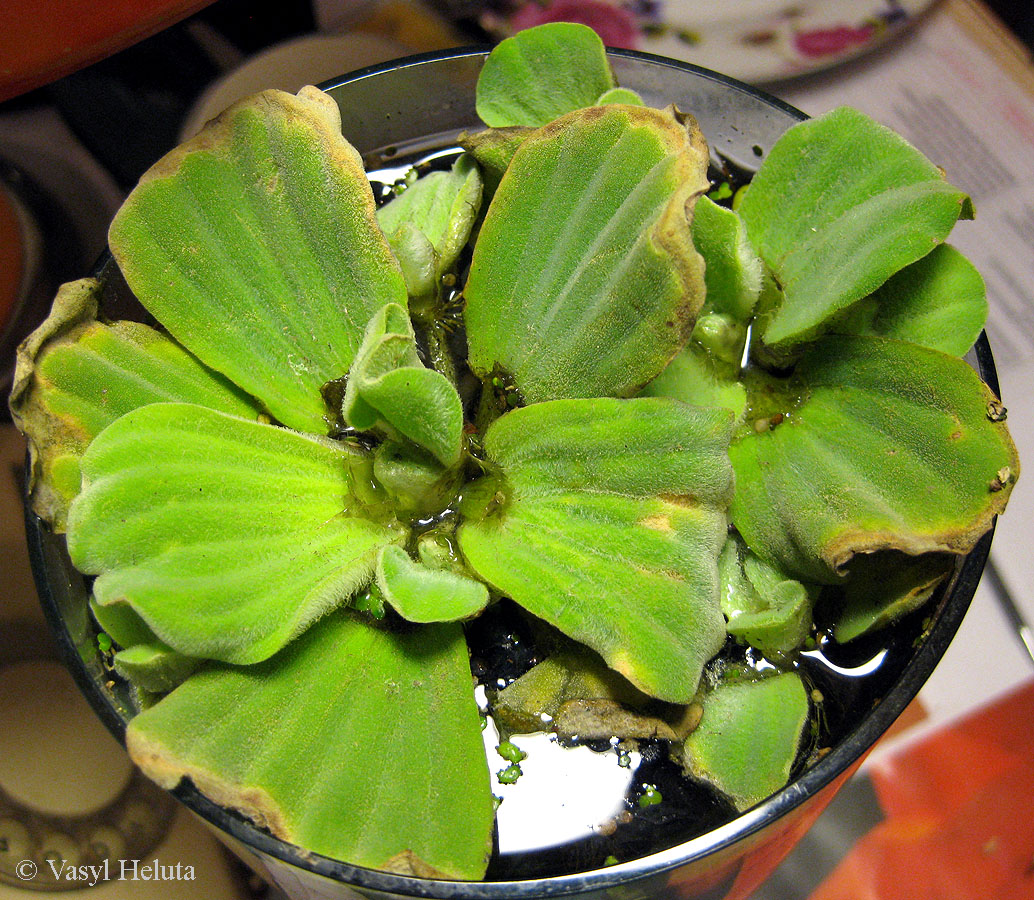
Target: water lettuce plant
x=556 y=373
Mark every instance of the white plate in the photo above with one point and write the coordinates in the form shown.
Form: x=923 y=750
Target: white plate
x=752 y=40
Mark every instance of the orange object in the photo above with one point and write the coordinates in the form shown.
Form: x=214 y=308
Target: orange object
x=960 y=815
x=41 y=40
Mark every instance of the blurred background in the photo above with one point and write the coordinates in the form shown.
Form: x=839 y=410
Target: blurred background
x=92 y=92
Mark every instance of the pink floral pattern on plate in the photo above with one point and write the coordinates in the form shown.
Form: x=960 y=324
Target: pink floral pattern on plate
x=754 y=40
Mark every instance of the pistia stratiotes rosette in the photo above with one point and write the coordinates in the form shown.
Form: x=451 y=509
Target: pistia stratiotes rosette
x=293 y=500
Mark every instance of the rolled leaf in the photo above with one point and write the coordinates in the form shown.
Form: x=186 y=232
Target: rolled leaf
x=264 y=224
x=584 y=280
x=749 y=736
x=75 y=375
x=938 y=302
x=733 y=272
x=389 y=390
x=764 y=607
x=228 y=537
x=883 y=587
x=541 y=73
x=839 y=205
x=420 y=593
x=394 y=776
x=879 y=445
x=606 y=520
x=442 y=206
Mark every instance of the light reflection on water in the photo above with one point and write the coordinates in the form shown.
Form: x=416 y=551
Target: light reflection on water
x=581 y=789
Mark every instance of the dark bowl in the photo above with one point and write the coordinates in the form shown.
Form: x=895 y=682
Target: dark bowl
x=411 y=107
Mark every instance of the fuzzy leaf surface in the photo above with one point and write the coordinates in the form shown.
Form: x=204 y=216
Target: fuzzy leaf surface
x=606 y=521
x=695 y=377
x=748 y=737
x=228 y=537
x=733 y=272
x=764 y=607
x=938 y=302
x=442 y=206
x=265 y=224
x=881 y=590
x=395 y=775
x=883 y=446
x=389 y=390
x=76 y=375
x=423 y=594
x=541 y=73
x=584 y=280
x=839 y=205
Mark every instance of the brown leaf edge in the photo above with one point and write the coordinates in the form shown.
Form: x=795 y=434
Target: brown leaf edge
x=839 y=552
x=75 y=306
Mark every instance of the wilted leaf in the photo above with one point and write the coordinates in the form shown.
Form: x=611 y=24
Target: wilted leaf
x=541 y=73
x=880 y=445
x=748 y=737
x=606 y=521
x=256 y=245
x=839 y=205
x=389 y=390
x=938 y=302
x=420 y=593
x=584 y=280
x=764 y=607
x=395 y=769
x=574 y=694
x=228 y=537
x=76 y=375
x=883 y=587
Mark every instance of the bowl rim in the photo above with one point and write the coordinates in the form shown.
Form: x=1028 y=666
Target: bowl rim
x=839 y=761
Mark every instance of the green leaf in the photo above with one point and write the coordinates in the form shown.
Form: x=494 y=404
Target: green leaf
x=733 y=272
x=154 y=667
x=264 y=224
x=416 y=483
x=395 y=775
x=938 y=302
x=694 y=376
x=493 y=149
x=764 y=607
x=606 y=521
x=584 y=280
x=878 y=445
x=390 y=391
x=228 y=537
x=423 y=594
x=441 y=206
x=417 y=258
x=75 y=375
x=839 y=205
x=541 y=73
x=619 y=95
x=883 y=587
x=748 y=737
